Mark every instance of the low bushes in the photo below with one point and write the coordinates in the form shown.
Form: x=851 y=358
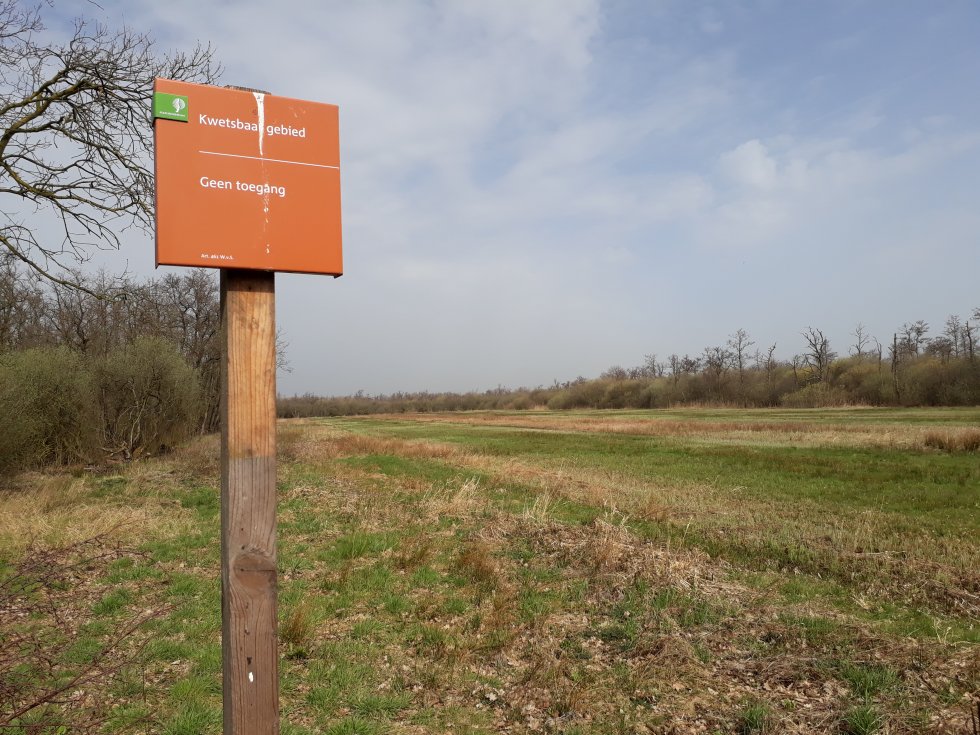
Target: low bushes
x=59 y=406
x=816 y=395
x=148 y=396
x=47 y=408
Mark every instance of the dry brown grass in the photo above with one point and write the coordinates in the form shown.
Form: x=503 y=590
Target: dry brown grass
x=612 y=554
x=58 y=510
x=414 y=554
x=297 y=629
x=686 y=670
x=461 y=502
x=759 y=432
x=477 y=562
x=197 y=458
x=309 y=440
x=615 y=493
x=652 y=508
x=953 y=440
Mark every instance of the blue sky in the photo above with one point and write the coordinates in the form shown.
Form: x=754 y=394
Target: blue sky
x=539 y=189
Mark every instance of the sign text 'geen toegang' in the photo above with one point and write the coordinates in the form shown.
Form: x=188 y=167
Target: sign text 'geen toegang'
x=246 y=180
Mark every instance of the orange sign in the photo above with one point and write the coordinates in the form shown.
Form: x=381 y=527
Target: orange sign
x=246 y=180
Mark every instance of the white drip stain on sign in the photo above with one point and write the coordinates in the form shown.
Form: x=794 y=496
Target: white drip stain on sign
x=260 y=106
x=260 y=103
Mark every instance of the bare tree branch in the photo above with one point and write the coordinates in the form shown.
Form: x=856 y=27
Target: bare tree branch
x=76 y=135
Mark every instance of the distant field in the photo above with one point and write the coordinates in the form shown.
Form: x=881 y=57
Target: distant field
x=579 y=572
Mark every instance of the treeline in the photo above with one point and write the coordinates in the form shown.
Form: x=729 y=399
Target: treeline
x=309 y=405
x=113 y=368
x=910 y=369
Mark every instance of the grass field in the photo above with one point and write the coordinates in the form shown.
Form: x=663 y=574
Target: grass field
x=675 y=571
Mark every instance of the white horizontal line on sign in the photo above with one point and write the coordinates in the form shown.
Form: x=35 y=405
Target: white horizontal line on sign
x=273 y=160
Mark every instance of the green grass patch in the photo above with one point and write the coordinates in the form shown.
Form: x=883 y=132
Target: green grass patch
x=755 y=718
x=868 y=680
x=359 y=543
x=862 y=720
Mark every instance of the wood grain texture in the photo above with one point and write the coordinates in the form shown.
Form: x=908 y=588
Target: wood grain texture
x=248 y=503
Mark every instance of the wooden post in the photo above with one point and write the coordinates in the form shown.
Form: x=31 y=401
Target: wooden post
x=248 y=503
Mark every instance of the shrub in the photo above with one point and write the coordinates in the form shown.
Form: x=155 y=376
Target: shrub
x=864 y=381
x=148 y=396
x=520 y=403
x=815 y=395
x=47 y=408
x=587 y=394
x=625 y=394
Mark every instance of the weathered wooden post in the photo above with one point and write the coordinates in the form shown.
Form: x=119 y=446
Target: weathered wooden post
x=249 y=183
x=248 y=503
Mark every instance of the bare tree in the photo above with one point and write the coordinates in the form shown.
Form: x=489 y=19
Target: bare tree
x=616 y=372
x=877 y=350
x=717 y=361
x=969 y=334
x=770 y=367
x=861 y=340
x=690 y=364
x=740 y=344
x=674 y=365
x=894 y=354
x=953 y=331
x=75 y=135
x=818 y=355
x=942 y=347
x=913 y=337
x=22 y=308
x=652 y=368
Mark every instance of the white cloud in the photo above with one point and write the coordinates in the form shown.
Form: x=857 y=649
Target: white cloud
x=750 y=165
x=793 y=188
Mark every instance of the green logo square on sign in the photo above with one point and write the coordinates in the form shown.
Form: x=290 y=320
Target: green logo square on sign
x=170 y=106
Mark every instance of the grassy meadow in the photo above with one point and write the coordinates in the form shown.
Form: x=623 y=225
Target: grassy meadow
x=681 y=571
